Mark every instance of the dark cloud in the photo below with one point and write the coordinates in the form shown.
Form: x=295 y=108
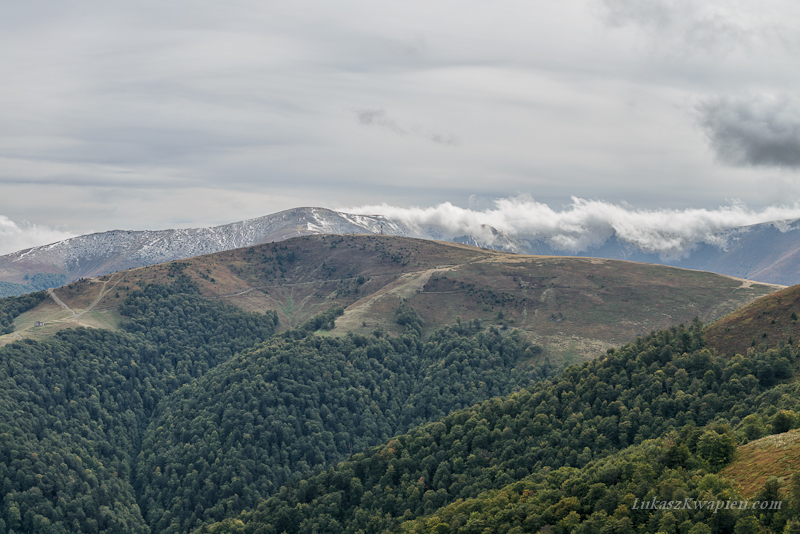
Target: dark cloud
x=378 y=117
x=753 y=131
x=443 y=139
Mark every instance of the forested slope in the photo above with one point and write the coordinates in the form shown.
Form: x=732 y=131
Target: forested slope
x=663 y=383
x=657 y=486
x=73 y=408
x=289 y=406
x=195 y=410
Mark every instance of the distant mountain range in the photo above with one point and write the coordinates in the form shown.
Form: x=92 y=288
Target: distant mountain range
x=767 y=252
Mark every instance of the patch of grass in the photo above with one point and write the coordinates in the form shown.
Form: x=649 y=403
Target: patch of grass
x=755 y=462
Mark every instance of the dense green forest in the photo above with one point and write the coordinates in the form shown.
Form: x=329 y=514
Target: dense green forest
x=665 y=384
x=195 y=410
x=657 y=486
x=73 y=408
x=197 y=417
x=288 y=406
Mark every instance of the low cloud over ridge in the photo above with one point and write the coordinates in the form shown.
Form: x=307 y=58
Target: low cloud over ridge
x=587 y=224
x=14 y=237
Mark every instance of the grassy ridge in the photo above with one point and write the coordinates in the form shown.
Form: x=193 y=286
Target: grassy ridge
x=575 y=308
x=769 y=320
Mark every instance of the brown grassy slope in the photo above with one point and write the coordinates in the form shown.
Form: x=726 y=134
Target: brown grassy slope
x=574 y=307
x=755 y=462
x=85 y=303
x=766 y=320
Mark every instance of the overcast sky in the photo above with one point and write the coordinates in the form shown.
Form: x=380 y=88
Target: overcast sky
x=150 y=115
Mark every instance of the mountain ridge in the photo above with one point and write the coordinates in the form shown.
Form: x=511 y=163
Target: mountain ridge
x=101 y=253
x=766 y=252
x=573 y=307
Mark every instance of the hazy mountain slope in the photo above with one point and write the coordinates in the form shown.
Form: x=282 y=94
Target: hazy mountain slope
x=768 y=252
x=574 y=308
x=761 y=252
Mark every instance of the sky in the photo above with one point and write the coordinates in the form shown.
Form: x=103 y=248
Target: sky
x=153 y=115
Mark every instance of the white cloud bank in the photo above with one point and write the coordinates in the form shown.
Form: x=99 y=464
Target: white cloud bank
x=14 y=237
x=579 y=227
x=586 y=224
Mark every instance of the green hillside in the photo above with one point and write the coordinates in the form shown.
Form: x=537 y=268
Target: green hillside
x=652 y=487
x=94 y=428
x=756 y=462
x=662 y=385
x=75 y=407
x=290 y=406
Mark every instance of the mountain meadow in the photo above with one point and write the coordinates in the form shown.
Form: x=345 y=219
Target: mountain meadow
x=367 y=383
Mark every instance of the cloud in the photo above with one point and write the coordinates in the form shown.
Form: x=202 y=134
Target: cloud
x=358 y=103
x=378 y=117
x=444 y=139
x=586 y=224
x=14 y=237
x=657 y=14
x=753 y=131
x=694 y=25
